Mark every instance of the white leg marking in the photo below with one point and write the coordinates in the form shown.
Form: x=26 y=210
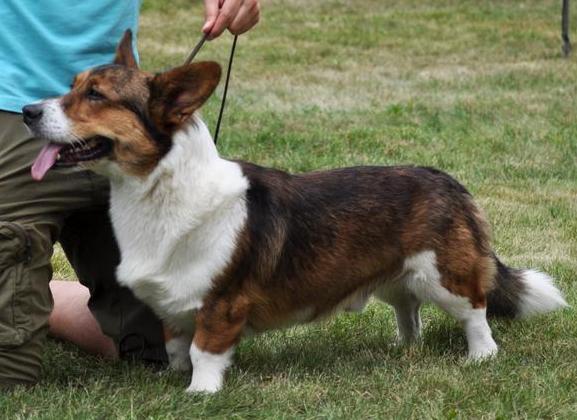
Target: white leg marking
x=177 y=349
x=208 y=369
x=481 y=343
x=426 y=285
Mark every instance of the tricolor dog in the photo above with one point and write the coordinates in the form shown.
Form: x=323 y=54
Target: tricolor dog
x=219 y=248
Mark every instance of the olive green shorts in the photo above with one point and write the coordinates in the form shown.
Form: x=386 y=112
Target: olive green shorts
x=69 y=206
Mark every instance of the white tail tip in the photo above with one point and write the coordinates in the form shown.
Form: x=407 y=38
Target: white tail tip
x=540 y=294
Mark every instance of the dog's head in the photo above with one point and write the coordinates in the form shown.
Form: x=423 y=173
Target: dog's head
x=118 y=114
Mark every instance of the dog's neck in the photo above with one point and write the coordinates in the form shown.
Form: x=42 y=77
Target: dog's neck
x=192 y=145
x=192 y=168
x=188 y=170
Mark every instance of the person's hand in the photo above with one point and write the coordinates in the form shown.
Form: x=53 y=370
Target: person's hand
x=238 y=16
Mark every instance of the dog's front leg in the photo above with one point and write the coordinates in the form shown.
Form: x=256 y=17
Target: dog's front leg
x=177 y=346
x=219 y=326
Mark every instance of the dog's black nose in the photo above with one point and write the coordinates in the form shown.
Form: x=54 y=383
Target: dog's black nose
x=31 y=113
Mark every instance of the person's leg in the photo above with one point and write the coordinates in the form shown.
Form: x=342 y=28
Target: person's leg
x=29 y=224
x=71 y=320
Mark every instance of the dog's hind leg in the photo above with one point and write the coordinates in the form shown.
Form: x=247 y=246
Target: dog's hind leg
x=406 y=306
x=479 y=338
x=426 y=285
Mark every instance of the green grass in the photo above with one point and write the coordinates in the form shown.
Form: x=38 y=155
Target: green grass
x=478 y=89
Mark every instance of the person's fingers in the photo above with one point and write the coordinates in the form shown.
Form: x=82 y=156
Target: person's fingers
x=210 y=14
x=247 y=16
x=227 y=14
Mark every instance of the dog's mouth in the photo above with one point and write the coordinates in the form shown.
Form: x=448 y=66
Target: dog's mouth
x=91 y=149
x=66 y=155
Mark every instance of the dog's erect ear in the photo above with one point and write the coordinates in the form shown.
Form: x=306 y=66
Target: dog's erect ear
x=124 y=53
x=177 y=93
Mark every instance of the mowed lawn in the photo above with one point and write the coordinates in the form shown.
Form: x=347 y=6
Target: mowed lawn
x=478 y=89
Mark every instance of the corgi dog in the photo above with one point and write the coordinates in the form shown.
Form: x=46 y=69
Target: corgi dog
x=219 y=248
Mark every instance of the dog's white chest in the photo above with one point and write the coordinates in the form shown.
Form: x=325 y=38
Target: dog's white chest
x=175 y=293
x=173 y=274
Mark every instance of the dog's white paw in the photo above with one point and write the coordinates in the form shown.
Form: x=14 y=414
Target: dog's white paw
x=204 y=384
x=208 y=369
x=484 y=353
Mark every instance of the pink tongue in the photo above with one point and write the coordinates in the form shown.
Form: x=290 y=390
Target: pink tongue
x=45 y=160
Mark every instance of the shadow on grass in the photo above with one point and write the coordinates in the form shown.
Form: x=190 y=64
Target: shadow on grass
x=357 y=344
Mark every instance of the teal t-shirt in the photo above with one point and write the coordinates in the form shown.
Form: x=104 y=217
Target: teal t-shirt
x=44 y=43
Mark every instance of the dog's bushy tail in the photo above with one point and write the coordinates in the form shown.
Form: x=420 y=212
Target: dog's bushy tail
x=522 y=293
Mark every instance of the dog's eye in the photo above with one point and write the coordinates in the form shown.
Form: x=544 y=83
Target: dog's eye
x=94 y=95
